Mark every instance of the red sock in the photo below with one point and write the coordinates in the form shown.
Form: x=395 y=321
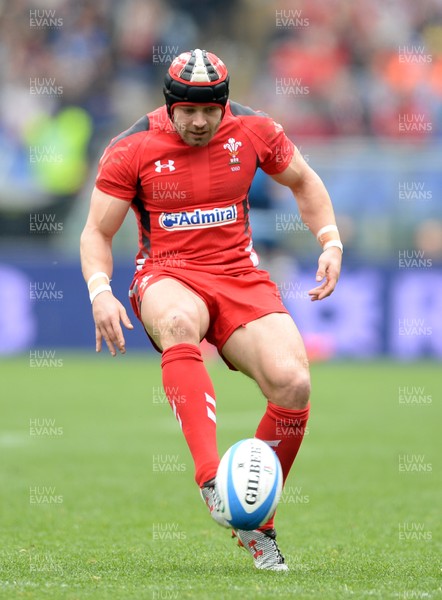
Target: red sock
x=283 y=429
x=191 y=395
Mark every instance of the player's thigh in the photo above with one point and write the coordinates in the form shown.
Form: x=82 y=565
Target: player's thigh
x=172 y=313
x=271 y=351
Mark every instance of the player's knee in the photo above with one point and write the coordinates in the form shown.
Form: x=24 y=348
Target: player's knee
x=291 y=389
x=174 y=327
x=301 y=389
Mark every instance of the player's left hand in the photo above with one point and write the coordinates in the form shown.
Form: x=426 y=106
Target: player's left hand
x=329 y=268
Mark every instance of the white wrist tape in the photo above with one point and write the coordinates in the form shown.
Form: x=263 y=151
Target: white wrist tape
x=105 y=287
x=332 y=243
x=326 y=229
x=97 y=276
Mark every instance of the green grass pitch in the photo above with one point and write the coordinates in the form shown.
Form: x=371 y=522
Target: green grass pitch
x=98 y=499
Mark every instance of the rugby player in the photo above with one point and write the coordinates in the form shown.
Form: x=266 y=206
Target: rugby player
x=197 y=275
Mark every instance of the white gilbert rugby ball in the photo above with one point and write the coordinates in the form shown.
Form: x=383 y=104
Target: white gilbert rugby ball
x=249 y=483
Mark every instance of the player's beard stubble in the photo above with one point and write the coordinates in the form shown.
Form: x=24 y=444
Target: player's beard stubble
x=196 y=132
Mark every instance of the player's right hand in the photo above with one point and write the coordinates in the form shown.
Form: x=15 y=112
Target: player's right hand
x=108 y=312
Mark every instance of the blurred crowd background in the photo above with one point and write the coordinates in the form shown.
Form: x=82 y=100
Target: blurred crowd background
x=356 y=84
x=339 y=75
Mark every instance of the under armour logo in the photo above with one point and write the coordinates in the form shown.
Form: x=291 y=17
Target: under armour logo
x=169 y=165
x=253 y=545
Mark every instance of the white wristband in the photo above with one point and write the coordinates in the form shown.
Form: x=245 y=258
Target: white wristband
x=97 y=276
x=325 y=229
x=332 y=243
x=105 y=287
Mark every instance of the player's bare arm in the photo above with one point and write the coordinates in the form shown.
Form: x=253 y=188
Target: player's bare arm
x=106 y=215
x=316 y=211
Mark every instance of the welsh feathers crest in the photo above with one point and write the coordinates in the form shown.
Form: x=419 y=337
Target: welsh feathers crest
x=233 y=147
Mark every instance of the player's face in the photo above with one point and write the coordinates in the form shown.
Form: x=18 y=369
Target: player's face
x=197 y=124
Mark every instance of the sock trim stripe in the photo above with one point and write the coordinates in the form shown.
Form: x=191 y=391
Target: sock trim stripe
x=272 y=443
x=209 y=399
x=211 y=414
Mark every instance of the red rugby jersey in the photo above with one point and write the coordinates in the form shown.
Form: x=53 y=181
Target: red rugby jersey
x=190 y=202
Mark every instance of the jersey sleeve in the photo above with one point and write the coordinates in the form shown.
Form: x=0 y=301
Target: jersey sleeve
x=274 y=149
x=117 y=170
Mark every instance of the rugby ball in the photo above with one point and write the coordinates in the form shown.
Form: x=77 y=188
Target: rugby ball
x=249 y=483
